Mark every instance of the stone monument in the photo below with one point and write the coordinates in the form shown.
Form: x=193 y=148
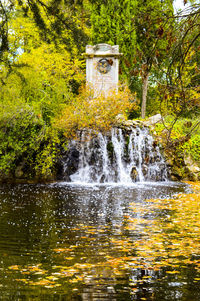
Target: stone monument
x=102 y=68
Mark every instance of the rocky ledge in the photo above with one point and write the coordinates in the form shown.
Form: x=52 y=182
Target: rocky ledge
x=180 y=164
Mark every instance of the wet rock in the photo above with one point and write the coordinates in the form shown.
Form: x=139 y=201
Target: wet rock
x=137 y=132
x=158 y=159
x=144 y=170
x=106 y=158
x=19 y=171
x=175 y=175
x=155 y=143
x=146 y=159
x=70 y=166
x=152 y=159
x=134 y=174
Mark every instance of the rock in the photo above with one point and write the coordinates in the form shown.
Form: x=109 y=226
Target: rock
x=19 y=171
x=146 y=159
x=191 y=165
x=120 y=119
x=153 y=120
x=182 y=167
x=71 y=159
x=176 y=175
x=155 y=143
x=128 y=123
x=134 y=174
x=169 y=161
x=144 y=169
x=132 y=123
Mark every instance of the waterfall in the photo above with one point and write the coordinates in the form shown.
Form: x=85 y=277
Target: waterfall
x=122 y=156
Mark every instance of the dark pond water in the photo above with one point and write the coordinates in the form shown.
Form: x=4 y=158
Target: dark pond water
x=65 y=242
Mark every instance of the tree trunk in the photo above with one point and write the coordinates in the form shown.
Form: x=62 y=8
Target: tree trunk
x=144 y=95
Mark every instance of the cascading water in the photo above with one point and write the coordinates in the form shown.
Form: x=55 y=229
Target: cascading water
x=119 y=156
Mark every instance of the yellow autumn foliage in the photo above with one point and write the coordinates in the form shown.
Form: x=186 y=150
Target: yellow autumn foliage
x=96 y=113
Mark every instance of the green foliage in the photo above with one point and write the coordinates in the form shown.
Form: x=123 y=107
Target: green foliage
x=193 y=147
x=32 y=93
x=185 y=141
x=41 y=71
x=142 y=29
x=112 y=23
x=56 y=21
x=25 y=140
x=180 y=94
x=31 y=96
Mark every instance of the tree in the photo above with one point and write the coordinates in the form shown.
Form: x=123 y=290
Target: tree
x=154 y=38
x=6 y=10
x=112 y=23
x=52 y=27
x=40 y=69
x=141 y=30
x=185 y=50
x=56 y=20
x=180 y=92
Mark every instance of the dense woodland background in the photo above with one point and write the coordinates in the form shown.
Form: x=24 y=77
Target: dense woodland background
x=42 y=74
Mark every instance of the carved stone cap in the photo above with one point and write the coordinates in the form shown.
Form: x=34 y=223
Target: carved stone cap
x=102 y=50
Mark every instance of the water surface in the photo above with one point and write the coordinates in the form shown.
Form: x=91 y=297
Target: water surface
x=78 y=242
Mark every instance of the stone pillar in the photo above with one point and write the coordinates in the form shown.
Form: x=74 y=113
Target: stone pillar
x=102 y=68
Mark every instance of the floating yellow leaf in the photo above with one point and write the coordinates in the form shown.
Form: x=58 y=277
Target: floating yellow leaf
x=172 y=272
x=42 y=282
x=52 y=278
x=14 y=267
x=23 y=280
x=60 y=250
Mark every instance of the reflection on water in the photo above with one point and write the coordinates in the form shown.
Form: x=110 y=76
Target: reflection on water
x=73 y=242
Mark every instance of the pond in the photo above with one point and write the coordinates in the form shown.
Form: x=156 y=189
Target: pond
x=98 y=242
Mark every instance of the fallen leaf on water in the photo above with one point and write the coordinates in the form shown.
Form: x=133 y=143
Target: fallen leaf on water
x=22 y=280
x=42 y=282
x=52 y=278
x=14 y=267
x=60 y=250
x=172 y=272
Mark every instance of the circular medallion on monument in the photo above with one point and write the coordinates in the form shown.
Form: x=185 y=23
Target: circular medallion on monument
x=103 y=66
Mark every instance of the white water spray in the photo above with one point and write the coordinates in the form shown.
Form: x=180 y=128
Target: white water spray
x=119 y=156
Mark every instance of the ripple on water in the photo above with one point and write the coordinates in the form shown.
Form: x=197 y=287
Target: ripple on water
x=78 y=242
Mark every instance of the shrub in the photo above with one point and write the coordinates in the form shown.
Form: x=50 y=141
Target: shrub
x=181 y=129
x=25 y=139
x=97 y=113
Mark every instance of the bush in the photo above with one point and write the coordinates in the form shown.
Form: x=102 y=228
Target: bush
x=96 y=113
x=181 y=129
x=31 y=129
x=25 y=139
